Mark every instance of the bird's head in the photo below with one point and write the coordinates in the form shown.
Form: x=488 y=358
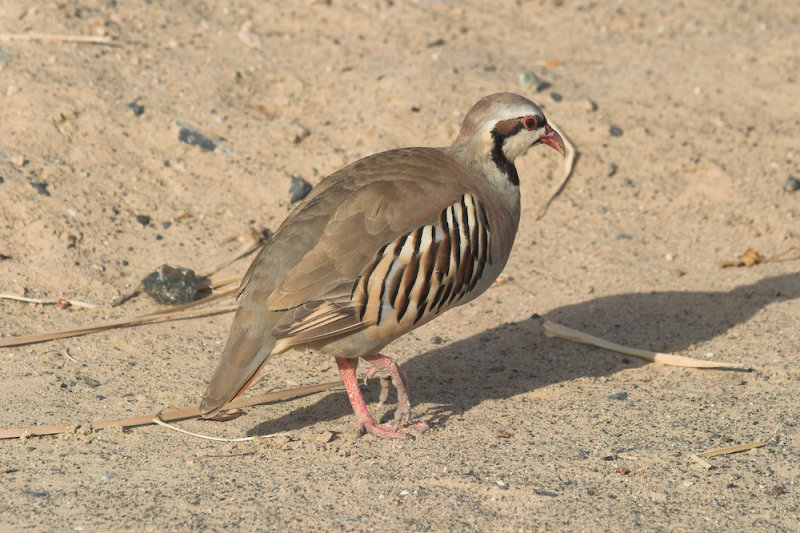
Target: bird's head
x=502 y=127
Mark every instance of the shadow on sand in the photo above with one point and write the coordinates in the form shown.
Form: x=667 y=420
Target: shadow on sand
x=516 y=357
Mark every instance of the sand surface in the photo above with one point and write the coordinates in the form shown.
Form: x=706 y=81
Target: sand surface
x=686 y=119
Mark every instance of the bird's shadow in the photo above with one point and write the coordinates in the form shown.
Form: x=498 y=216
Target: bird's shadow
x=516 y=357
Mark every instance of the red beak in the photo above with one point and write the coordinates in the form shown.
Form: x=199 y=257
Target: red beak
x=553 y=140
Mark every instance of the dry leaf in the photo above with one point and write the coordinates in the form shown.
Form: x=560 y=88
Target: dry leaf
x=747 y=259
x=751 y=257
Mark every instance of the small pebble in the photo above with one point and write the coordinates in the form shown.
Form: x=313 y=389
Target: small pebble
x=529 y=80
x=615 y=131
x=299 y=189
x=618 y=396
x=192 y=137
x=792 y=184
x=144 y=220
x=171 y=285
x=612 y=169
x=135 y=108
x=623 y=237
x=93 y=383
x=298 y=133
x=502 y=484
x=41 y=187
x=437 y=42
x=556 y=97
x=580 y=454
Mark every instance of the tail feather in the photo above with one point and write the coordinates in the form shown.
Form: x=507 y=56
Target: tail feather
x=248 y=348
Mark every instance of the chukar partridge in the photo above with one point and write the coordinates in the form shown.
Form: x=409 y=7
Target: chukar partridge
x=381 y=247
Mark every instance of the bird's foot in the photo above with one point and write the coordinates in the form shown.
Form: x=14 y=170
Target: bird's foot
x=388 y=371
x=366 y=424
x=390 y=430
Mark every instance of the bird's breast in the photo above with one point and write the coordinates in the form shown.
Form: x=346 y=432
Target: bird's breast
x=423 y=273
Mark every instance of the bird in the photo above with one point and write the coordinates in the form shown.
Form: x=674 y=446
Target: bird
x=379 y=248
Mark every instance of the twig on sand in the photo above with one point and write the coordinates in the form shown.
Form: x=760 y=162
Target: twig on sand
x=60 y=302
x=698 y=457
x=157 y=420
x=733 y=449
x=178 y=312
x=569 y=163
x=84 y=39
x=174 y=414
x=552 y=329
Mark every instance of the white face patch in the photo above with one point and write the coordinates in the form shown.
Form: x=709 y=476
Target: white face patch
x=516 y=145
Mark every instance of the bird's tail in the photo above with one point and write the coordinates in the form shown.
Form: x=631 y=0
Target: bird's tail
x=248 y=348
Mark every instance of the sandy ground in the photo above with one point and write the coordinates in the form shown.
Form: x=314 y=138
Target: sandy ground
x=687 y=122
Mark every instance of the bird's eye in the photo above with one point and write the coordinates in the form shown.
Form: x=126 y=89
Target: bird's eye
x=530 y=123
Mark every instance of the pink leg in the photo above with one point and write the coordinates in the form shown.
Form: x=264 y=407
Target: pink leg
x=387 y=369
x=366 y=424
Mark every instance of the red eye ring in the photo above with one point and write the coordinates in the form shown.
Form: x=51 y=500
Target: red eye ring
x=530 y=123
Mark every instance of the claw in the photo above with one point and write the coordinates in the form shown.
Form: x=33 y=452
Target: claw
x=389 y=372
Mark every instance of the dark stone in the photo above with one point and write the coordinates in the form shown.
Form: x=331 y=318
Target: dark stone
x=437 y=42
x=171 y=285
x=135 y=108
x=192 y=137
x=144 y=220
x=621 y=396
x=93 y=383
x=792 y=184
x=41 y=187
x=299 y=189
x=615 y=131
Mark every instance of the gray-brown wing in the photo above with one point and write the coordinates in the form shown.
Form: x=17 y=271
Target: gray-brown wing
x=408 y=280
x=318 y=253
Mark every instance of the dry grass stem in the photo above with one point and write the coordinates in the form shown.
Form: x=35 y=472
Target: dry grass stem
x=702 y=462
x=733 y=449
x=157 y=420
x=85 y=39
x=569 y=163
x=50 y=301
x=173 y=415
x=251 y=240
x=552 y=329
x=138 y=320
